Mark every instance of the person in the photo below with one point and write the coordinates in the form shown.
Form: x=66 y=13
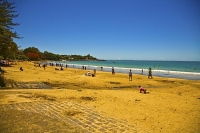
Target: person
x=44 y=66
x=142 y=71
x=94 y=72
x=21 y=69
x=113 y=71
x=130 y=75
x=61 y=68
x=150 y=73
x=142 y=89
x=101 y=68
x=1 y=70
x=88 y=73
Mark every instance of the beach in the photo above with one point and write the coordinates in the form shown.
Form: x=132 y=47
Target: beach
x=170 y=105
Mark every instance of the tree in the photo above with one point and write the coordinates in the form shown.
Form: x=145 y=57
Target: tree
x=8 y=47
x=50 y=56
x=33 y=53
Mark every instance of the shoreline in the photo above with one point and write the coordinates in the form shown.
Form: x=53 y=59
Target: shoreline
x=155 y=72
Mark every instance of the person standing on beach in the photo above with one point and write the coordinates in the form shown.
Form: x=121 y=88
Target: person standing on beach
x=113 y=71
x=101 y=68
x=44 y=66
x=150 y=73
x=142 y=71
x=94 y=72
x=130 y=75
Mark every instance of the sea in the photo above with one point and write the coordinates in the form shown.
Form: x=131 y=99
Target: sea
x=172 y=69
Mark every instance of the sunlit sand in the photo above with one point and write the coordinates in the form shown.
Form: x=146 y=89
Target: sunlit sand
x=170 y=105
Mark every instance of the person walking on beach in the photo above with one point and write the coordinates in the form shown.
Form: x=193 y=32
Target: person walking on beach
x=44 y=66
x=150 y=73
x=130 y=75
x=113 y=71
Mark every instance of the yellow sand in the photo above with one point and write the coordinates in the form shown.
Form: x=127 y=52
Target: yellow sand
x=172 y=105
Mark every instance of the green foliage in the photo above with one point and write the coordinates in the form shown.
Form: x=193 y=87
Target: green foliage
x=31 y=49
x=34 y=54
x=8 y=47
x=2 y=84
x=51 y=56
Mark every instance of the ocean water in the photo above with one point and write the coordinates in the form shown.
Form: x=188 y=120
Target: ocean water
x=173 y=69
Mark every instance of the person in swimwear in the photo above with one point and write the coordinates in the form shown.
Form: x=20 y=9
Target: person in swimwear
x=142 y=89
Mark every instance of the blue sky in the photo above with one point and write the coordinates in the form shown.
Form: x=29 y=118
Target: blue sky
x=112 y=29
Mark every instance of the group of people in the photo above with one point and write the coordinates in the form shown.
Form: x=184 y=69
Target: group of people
x=130 y=73
x=130 y=78
x=113 y=72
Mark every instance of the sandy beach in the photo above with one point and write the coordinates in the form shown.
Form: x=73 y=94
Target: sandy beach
x=171 y=105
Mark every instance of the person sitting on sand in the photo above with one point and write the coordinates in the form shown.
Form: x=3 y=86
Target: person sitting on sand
x=88 y=73
x=142 y=89
x=21 y=69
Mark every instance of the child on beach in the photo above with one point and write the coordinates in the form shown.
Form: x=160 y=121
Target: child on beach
x=113 y=71
x=130 y=75
x=142 y=89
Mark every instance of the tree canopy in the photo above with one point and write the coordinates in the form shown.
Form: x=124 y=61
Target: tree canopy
x=34 y=54
x=8 y=47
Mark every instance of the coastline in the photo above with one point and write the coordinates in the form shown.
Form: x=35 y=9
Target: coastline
x=121 y=68
x=166 y=108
